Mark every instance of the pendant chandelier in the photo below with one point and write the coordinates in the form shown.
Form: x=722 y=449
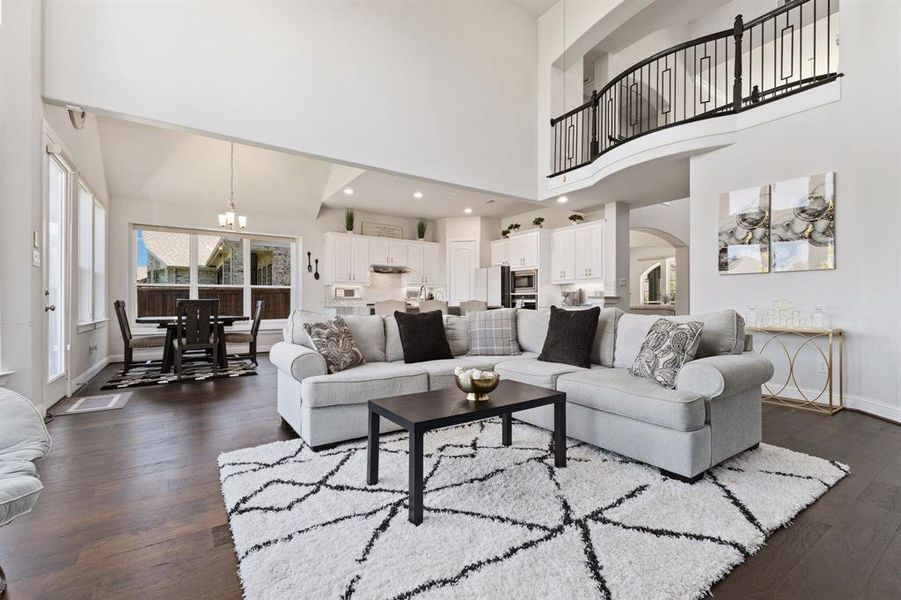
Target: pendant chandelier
x=229 y=220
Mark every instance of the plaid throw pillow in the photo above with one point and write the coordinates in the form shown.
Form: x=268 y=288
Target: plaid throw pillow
x=666 y=348
x=493 y=333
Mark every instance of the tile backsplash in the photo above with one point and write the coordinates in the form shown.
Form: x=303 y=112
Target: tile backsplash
x=385 y=286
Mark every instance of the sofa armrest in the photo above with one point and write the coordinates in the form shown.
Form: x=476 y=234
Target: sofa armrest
x=23 y=435
x=724 y=375
x=298 y=361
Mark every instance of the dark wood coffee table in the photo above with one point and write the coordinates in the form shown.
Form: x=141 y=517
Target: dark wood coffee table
x=425 y=411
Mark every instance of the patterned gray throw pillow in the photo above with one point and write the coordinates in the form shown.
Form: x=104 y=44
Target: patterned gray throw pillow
x=666 y=348
x=334 y=342
x=493 y=333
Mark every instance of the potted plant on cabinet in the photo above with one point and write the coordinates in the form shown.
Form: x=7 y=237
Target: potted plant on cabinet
x=421 y=227
x=513 y=227
x=349 y=220
x=576 y=218
x=538 y=221
x=505 y=233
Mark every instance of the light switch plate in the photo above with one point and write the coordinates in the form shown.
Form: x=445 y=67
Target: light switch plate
x=36 y=258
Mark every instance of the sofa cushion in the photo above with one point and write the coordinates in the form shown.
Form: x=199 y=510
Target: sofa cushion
x=422 y=336
x=723 y=333
x=570 y=334
x=605 y=338
x=457 y=330
x=496 y=360
x=619 y=392
x=363 y=383
x=369 y=334
x=534 y=371
x=294 y=332
x=668 y=346
x=531 y=328
x=394 y=349
x=19 y=489
x=441 y=372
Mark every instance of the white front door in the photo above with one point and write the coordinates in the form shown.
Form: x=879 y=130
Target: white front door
x=461 y=269
x=56 y=282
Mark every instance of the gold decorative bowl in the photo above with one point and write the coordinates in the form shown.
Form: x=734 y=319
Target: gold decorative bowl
x=477 y=390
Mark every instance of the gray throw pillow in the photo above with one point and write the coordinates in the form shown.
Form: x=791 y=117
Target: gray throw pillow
x=493 y=333
x=335 y=343
x=293 y=332
x=665 y=349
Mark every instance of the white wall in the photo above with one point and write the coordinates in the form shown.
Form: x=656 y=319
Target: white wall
x=125 y=211
x=440 y=90
x=21 y=159
x=89 y=350
x=858 y=139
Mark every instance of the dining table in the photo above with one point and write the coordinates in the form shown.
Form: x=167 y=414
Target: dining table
x=171 y=323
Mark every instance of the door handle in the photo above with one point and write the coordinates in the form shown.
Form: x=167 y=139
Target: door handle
x=49 y=308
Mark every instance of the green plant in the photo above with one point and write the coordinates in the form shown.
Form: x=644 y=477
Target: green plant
x=349 y=219
x=505 y=233
x=576 y=218
x=421 y=227
x=513 y=227
x=539 y=221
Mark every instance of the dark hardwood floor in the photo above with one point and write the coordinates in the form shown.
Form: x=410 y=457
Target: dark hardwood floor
x=131 y=506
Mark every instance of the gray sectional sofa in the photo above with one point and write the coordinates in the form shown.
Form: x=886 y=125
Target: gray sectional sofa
x=712 y=414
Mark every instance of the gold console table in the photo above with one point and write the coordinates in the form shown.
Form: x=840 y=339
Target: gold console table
x=811 y=337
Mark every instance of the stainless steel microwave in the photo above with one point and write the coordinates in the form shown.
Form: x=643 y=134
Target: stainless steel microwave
x=525 y=282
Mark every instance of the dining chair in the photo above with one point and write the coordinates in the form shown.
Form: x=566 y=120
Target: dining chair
x=389 y=307
x=237 y=337
x=129 y=342
x=430 y=305
x=469 y=306
x=197 y=332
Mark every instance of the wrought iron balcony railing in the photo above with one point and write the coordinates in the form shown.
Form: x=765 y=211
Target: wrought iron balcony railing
x=785 y=51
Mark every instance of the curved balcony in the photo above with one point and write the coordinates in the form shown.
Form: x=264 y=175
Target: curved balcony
x=783 y=52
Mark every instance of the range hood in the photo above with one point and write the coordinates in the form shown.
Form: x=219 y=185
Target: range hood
x=389 y=269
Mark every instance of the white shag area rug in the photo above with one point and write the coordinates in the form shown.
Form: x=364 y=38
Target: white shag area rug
x=501 y=522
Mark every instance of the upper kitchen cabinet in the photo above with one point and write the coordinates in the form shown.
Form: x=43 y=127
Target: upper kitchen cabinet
x=577 y=253
x=525 y=249
x=347 y=259
x=499 y=253
x=388 y=252
x=422 y=259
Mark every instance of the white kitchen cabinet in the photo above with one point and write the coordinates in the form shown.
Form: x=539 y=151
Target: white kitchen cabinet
x=347 y=259
x=422 y=259
x=524 y=250
x=589 y=251
x=563 y=249
x=499 y=253
x=388 y=252
x=577 y=253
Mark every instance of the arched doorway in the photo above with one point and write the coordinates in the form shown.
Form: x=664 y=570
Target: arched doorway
x=658 y=272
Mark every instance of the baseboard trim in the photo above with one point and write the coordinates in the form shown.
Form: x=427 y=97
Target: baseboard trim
x=868 y=406
x=88 y=374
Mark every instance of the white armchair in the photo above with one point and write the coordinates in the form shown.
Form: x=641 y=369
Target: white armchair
x=23 y=440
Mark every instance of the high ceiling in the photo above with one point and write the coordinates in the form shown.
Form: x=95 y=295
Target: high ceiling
x=391 y=195
x=143 y=162
x=535 y=7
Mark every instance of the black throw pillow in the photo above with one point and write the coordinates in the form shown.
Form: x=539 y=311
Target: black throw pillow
x=422 y=336
x=570 y=334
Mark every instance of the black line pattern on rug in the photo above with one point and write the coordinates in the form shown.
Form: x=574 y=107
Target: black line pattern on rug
x=744 y=510
x=394 y=507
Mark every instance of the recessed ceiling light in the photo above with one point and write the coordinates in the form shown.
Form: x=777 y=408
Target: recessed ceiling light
x=467 y=210
x=349 y=191
x=417 y=195
x=562 y=199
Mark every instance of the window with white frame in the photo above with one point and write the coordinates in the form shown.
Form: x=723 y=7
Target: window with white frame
x=91 y=257
x=239 y=270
